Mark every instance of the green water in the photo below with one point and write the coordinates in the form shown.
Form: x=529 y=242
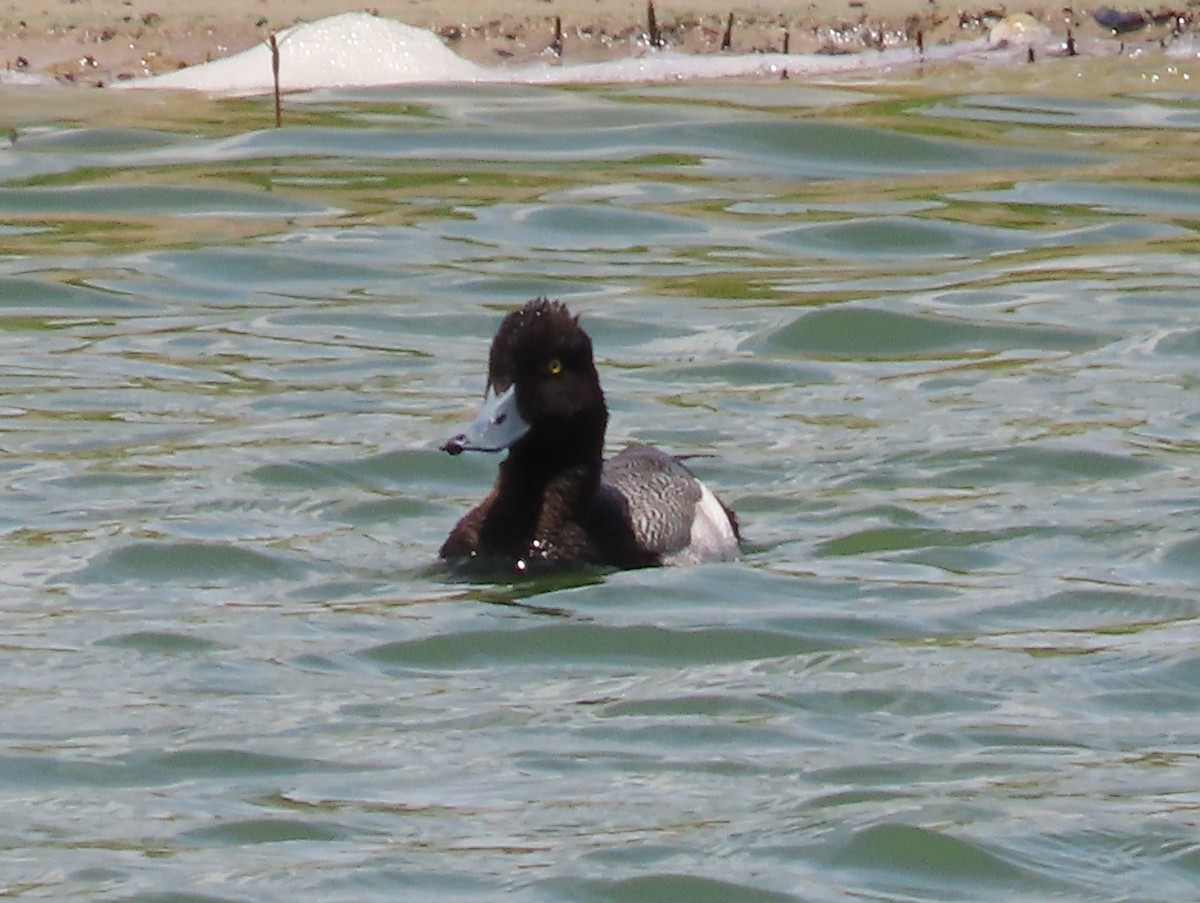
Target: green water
x=938 y=340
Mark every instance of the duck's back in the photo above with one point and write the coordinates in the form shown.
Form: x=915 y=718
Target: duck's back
x=650 y=509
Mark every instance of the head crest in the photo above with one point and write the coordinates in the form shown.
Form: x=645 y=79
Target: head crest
x=539 y=328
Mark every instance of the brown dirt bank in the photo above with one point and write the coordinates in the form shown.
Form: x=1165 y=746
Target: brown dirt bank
x=96 y=41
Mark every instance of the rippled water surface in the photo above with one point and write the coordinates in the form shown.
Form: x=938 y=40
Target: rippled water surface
x=938 y=341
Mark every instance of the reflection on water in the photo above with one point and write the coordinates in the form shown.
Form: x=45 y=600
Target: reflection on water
x=937 y=345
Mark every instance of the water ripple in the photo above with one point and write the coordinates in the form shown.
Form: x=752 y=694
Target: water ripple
x=936 y=348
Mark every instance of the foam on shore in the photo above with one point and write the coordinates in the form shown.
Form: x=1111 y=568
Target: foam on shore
x=361 y=50
x=351 y=50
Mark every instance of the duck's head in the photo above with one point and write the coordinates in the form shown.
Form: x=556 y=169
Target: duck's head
x=542 y=388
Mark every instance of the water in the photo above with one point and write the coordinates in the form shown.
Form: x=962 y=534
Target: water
x=939 y=337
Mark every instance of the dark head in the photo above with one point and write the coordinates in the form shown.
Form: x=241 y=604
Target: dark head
x=543 y=393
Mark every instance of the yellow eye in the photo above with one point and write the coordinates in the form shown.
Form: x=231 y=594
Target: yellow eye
x=554 y=367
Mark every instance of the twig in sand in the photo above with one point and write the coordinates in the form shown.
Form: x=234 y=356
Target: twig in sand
x=275 y=75
x=656 y=38
x=727 y=40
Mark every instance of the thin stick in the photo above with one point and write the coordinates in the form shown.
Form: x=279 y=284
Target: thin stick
x=652 y=25
x=275 y=73
x=557 y=45
x=727 y=41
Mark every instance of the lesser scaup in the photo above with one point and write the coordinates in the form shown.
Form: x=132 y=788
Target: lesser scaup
x=556 y=500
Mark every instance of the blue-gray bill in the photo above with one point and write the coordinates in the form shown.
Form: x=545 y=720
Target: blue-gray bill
x=498 y=425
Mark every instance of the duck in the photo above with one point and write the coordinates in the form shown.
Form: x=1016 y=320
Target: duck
x=556 y=500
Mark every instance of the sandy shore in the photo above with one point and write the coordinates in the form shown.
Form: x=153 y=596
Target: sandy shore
x=97 y=41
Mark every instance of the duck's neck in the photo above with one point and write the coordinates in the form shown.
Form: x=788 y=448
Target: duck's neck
x=542 y=492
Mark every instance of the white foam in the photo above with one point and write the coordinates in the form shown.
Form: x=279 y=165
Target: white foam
x=17 y=77
x=667 y=65
x=1185 y=47
x=360 y=50
x=346 y=50
x=1020 y=29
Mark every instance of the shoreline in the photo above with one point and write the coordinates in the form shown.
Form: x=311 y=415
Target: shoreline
x=101 y=41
